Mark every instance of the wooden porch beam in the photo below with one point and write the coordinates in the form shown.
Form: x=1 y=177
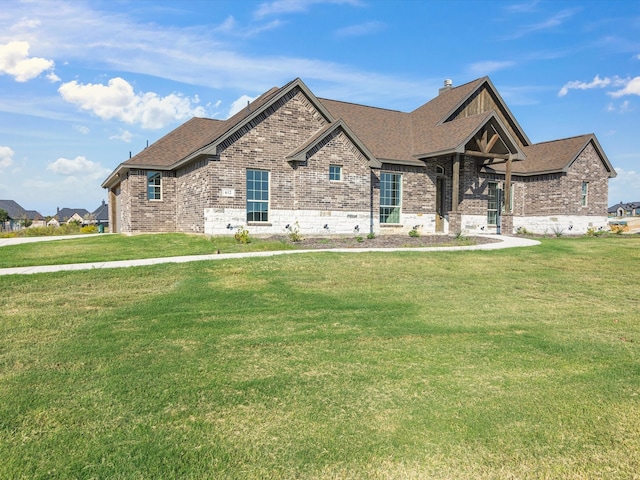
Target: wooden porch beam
x=456 y=183
x=492 y=142
x=507 y=186
x=472 y=153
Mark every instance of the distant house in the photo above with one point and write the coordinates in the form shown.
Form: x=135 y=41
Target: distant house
x=459 y=163
x=19 y=217
x=101 y=214
x=631 y=209
x=66 y=215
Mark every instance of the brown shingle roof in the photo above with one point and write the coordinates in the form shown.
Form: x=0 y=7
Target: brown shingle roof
x=176 y=144
x=555 y=156
x=395 y=135
x=192 y=135
x=387 y=133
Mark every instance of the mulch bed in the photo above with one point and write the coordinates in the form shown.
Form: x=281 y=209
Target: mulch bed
x=387 y=241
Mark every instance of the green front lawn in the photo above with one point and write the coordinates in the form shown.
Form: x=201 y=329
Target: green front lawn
x=102 y=248
x=518 y=363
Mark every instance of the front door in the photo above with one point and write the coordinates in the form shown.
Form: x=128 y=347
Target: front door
x=439 y=204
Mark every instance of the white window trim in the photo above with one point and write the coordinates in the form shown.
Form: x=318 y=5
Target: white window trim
x=340 y=170
x=155 y=186
x=268 y=201
x=400 y=188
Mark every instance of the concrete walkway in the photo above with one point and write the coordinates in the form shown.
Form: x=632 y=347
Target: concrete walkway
x=506 y=242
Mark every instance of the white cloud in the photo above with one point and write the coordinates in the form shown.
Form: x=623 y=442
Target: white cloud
x=239 y=104
x=82 y=129
x=527 y=7
x=279 y=7
x=205 y=55
x=625 y=187
x=552 y=22
x=632 y=87
x=15 y=61
x=117 y=100
x=79 y=166
x=485 y=68
x=360 y=29
x=597 y=82
x=6 y=157
x=124 y=135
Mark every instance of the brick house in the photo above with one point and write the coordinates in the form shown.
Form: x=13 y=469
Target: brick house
x=460 y=162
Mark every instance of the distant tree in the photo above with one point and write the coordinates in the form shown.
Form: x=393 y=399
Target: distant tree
x=4 y=217
x=26 y=222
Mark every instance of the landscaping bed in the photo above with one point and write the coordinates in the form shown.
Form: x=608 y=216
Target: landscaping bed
x=389 y=241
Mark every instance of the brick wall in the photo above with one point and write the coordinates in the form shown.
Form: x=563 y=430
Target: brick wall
x=194 y=186
x=146 y=215
x=314 y=190
x=561 y=193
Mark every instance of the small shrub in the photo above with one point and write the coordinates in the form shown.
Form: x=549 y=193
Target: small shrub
x=242 y=235
x=459 y=235
x=522 y=231
x=89 y=229
x=359 y=239
x=558 y=231
x=371 y=236
x=592 y=232
x=414 y=233
x=294 y=233
x=618 y=229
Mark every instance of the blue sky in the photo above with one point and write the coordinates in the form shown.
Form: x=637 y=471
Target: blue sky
x=83 y=83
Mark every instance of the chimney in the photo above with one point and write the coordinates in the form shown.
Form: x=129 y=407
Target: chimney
x=448 y=85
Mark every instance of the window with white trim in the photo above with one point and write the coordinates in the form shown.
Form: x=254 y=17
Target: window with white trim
x=585 y=193
x=492 y=203
x=154 y=185
x=335 y=173
x=508 y=207
x=257 y=196
x=390 y=197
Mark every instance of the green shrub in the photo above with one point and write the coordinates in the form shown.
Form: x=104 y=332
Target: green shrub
x=89 y=229
x=371 y=236
x=414 y=233
x=242 y=235
x=359 y=239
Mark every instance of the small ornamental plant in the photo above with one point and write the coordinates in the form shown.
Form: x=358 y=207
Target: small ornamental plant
x=242 y=235
x=294 y=232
